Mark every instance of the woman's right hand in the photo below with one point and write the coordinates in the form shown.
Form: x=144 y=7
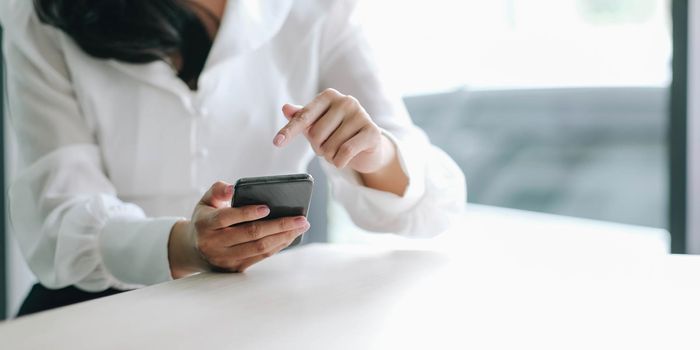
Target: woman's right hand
x=211 y=241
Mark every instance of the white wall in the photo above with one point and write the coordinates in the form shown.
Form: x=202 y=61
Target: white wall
x=693 y=212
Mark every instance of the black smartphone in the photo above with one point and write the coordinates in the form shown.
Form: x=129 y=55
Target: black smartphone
x=285 y=195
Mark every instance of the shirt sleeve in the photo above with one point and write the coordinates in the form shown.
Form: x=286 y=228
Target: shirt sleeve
x=436 y=193
x=70 y=225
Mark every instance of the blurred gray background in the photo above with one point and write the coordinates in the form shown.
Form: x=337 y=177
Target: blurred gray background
x=596 y=153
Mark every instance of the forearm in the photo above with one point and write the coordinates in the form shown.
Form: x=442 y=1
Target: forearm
x=390 y=177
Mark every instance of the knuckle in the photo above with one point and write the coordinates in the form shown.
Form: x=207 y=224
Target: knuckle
x=223 y=262
x=361 y=117
x=200 y=225
x=216 y=218
x=302 y=118
x=218 y=261
x=361 y=112
x=328 y=157
x=232 y=265
x=283 y=224
x=317 y=140
x=374 y=131
x=328 y=150
x=346 y=149
x=261 y=246
x=329 y=92
x=315 y=135
x=350 y=102
x=253 y=229
x=204 y=246
x=312 y=133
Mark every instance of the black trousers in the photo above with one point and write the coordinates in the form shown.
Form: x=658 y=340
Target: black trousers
x=41 y=298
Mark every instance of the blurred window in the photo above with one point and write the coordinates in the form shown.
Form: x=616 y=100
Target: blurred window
x=556 y=106
x=438 y=45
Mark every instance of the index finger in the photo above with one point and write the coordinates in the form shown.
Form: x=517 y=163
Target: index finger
x=225 y=217
x=304 y=118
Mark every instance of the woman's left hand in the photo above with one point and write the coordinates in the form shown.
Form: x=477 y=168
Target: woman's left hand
x=339 y=130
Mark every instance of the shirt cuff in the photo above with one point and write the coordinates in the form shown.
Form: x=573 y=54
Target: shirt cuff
x=413 y=165
x=135 y=251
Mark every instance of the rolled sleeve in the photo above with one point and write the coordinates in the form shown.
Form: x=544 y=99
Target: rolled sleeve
x=436 y=192
x=64 y=211
x=135 y=250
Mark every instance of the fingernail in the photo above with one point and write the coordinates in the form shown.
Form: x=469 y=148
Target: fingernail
x=229 y=190
x=263 y=210
x=300 y=220
x=279 y=139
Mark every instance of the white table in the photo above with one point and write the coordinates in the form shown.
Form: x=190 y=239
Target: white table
x=465 y=290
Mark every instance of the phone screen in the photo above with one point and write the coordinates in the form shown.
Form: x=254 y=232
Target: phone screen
x=285 y=195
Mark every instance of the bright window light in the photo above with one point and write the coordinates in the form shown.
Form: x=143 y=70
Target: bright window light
x=440 y=45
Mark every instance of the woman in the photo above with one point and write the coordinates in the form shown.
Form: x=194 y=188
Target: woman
x=127 y=111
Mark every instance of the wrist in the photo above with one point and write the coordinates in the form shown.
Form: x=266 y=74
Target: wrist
x=386 y=154
x=182 y=251
x=390 y=176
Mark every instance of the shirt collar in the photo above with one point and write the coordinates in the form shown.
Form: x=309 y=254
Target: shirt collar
x=246 y=26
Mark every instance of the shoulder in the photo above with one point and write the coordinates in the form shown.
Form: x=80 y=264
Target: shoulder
x=13 y=12
x=324 y=8
x=30 y=44
x=23 y=28
x=16 y=15
x=324 y=16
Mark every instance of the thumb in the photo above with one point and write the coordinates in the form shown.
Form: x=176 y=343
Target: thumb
x=290 y=110
x=219 y=195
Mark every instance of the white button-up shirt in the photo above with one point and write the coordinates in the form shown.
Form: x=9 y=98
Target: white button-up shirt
x=115 y=153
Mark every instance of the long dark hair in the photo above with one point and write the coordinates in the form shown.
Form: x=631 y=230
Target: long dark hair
x=134 y=31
